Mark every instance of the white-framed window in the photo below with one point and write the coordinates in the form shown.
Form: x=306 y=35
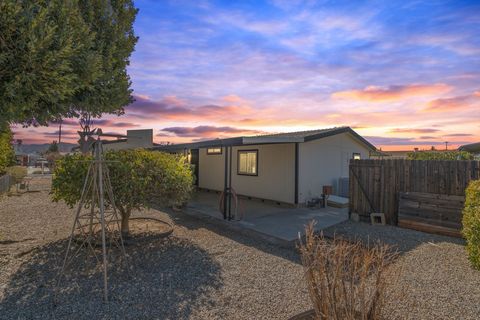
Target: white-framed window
x=214 y=150
x=356 y=156
x=247 y=163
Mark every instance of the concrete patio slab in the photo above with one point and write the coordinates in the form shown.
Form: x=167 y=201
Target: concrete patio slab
x=266 y=217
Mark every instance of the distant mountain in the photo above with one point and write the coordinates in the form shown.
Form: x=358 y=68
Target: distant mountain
x=39 y=148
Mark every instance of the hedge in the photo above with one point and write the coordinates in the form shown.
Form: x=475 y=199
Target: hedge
x=471 y=222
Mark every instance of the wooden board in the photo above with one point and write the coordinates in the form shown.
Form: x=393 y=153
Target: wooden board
x=414 y=224
x=430 y=212
x=443 y=210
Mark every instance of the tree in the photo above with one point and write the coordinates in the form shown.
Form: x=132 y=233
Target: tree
x=139 y=178
x=7 y=154
x=53 y=148
x=64 y=58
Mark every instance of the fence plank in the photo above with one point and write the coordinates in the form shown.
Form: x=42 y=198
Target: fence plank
x=5 y=183
x=382 y=180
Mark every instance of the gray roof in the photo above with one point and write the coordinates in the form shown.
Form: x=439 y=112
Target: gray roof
x=472 y=147
x=288 y=137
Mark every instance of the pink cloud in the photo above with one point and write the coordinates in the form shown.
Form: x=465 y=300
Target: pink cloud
x=173 y=108
x=392 y=93
x=453 y=103
x=414 y=130
x=205 y=131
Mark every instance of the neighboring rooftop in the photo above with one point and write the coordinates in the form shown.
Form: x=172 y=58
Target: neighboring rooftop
x=472 y=147
x=287 y=137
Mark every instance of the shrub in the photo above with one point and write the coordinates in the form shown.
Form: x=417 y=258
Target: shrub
x=471 y=222
x=440 y=155
x=138 y=177
x=7 y=154
x=17 y=172
x=346 y=280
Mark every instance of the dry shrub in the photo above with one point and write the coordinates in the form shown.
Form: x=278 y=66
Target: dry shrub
x=346 y=280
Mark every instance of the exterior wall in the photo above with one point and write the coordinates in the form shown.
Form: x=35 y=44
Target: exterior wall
x=324 y=161
x=276 y=172
x=135 y=139
x=211 y=171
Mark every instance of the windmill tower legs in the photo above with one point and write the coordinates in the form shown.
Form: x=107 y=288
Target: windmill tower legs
x=95 y=220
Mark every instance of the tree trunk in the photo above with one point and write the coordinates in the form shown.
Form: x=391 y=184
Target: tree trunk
x=125 y=227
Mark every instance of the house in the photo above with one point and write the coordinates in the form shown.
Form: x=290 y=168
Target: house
x=287 y=167
x=142 y=138
x=473 y=148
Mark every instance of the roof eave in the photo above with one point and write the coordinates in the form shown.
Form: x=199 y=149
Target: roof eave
x=339 y=131
x=271 y=140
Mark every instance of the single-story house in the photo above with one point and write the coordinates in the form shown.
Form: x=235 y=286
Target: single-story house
x=287 y=167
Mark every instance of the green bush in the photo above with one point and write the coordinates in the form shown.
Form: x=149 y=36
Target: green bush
x=471 y=222
x=7 y=154
x=139 y=178
x=440 y=155
x=17 y=172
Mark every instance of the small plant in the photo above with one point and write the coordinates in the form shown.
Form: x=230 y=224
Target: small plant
x=346 y=280
x=17 y=173
x=471 y=222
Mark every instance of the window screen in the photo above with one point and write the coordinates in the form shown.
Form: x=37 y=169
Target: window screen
x=248 y=162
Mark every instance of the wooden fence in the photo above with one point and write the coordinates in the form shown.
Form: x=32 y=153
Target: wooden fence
x=375 y=184
x=5 y=183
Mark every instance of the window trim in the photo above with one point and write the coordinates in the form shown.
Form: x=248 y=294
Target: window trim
x=256 y=162
x=210 y=153
x=357 y=154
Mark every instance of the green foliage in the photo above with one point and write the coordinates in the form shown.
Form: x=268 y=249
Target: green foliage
x=139 y=177
x=61 y=58
x=17 y=172
x=7 y=154
x=440 y=155
x=471 y=222
x=53 y=148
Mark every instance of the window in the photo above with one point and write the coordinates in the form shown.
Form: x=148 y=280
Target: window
x=214 y=150
x=247 y=162
x=356 y=156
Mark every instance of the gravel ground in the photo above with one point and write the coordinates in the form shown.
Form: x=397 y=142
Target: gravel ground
x=200 y=272
x=435 y=280
x=206 y=271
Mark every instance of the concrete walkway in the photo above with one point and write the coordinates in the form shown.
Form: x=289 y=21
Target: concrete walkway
x=271 y=219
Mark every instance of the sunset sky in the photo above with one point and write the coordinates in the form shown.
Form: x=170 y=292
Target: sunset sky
x=403 y=74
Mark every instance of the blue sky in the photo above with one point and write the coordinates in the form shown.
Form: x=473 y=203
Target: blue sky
x=403 y=73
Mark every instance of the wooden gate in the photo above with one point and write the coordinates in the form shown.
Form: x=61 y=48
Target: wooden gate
x=375 y=185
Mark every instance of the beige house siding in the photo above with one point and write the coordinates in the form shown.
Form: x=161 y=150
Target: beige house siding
x=324 y=161
x=276 y=172
x=211 y=170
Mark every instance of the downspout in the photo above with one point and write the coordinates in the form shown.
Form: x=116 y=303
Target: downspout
x=296 y=172
x=230 y=186
x=225 y=186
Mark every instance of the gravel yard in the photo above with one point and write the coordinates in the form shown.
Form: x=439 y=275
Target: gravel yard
x=433 y=272
x=200 y=272
x=204 y=271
